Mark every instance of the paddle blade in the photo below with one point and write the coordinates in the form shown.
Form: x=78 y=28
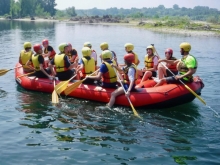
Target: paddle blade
x=61 y=87
x=134 y=111
x=55 y=98
x=3 y=71
x=72 y=87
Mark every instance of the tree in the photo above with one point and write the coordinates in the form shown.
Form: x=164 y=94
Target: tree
x=49 y=6
x=71 y=11
x=175 y=7
x=15 y=9
x=4 y=7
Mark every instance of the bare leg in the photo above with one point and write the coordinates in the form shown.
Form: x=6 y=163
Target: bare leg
x=161 y=82
x=114 y=94
x=161 y=71
x=146 y=76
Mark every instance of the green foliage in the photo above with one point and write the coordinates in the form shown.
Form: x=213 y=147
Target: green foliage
x=213 y=19
x=71 y=11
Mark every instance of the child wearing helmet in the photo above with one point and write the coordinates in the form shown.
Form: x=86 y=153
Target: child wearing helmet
x=94 y=54
x=129 y=47
x=151 y=62
x=25 y=56
x=162 y=71
x=187 y=66
x=72 y=55
x=87 y=65
x=64 y=69
x=38 y=63
x=104 y=46
x=106 y=72
x=48 y=52
x=130 y=76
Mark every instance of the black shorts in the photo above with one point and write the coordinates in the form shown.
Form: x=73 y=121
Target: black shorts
x=170 y=74
x=88 y=81
x=66 y=75
x=172 y=80
x=40 y=74
x=154 y=74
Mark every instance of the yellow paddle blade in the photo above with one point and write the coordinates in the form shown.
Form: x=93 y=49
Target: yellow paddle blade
x=60 y=84
x=55 y=98
x=25 y=74
x=195 y=94
x=3 y=71
x=62 y=87
x=134 y=111
x=72 y=87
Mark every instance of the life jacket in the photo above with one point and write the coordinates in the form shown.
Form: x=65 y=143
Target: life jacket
x=89 y=66
x=135 y=58
x=70 y=56
x=60 y=63
x=149 y=63
x=35 y=61
x=172 y=67
x=183 y=69
x=25 y=56
x=110 y=76
x=126 y=73
x=114 y=56
x=52 y=53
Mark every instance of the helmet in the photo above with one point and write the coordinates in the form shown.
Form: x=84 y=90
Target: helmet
x=104 y=45
x=185 y=46
x=151 y=47
x=129 y=57
x=45 y=41
x=87 y=44
x=129 y=46
x=27 y=45
x=86 y=51
x=169 y=50
x=62 y=47
x=106 y=54
x=69 y=44
x=37 y=47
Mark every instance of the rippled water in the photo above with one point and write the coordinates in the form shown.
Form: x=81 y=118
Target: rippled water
x=35 y=132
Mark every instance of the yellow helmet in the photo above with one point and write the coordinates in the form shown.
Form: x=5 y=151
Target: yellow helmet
x=185 y=46
x=87 y=44
x=104 y=45
x=27 y=45
x=151 y=47
x=129 y=46
x=106 y=54
x=86 y=51
x=62 y=46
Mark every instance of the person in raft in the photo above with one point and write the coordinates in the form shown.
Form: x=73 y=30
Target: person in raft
x=94 y=54
x=104 y=46
x=38 y=63
x=151 y=62
x=162 y=71
x=72 y=55
x=129 y=47
x=48 y=52
x=64 y=69
x=25 y=56
x=186 y=66
x=106 y=72
x=87 y=65
x=130 y=76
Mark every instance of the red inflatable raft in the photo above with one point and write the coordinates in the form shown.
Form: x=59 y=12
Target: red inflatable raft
x=164 y=96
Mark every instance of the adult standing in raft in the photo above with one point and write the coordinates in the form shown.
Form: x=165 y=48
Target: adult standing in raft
x=48 y=52
x=162 y=71
x=151 y=62
x=87 y=65
x=104 y=46
x=186 y=66
x=94 y=54
x=129 y=47
x=64 y=68
x=25 y=56
x=106 y=72
x=38 y=62
x=130 y=76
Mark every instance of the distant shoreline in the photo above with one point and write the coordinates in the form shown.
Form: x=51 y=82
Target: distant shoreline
x=165 y=30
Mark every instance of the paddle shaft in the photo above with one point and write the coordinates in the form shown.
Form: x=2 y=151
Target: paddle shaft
x=25 y=74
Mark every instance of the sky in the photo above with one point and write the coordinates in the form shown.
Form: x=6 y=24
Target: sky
x=127 y=4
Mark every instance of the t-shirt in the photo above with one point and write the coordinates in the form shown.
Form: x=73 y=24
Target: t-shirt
x=190 y=62
x=94 y=55
x=49 y=49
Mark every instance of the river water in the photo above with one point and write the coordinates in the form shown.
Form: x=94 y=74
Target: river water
x=35 y=132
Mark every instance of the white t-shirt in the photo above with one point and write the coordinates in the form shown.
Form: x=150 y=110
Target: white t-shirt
x=94 y=55
x=155 y=60
x=131 y=74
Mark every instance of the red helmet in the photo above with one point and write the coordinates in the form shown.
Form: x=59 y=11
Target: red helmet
x=37 y=47
x=69 y=44
x=129 y=57
x=169 y=50
x=45 y=41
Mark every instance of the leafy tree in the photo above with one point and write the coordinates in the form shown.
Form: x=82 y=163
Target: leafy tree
x=71 y=11
x=175 y=7
x=4 y=7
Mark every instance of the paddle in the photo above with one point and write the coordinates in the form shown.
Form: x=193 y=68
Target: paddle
x=75 y=85
x=25 y=74
x=132 y=107
x=62 y=85
x=186 y=86
x=55 y=98
x=4 y=71
x=156 y=51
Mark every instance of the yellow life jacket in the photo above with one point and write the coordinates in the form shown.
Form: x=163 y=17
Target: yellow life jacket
x=25 y=56
x=110 y=76
x=148 y=61
x=60 y=63
x=126 y=73
x=35 y=62
x=135 y=59
x=89 y=66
